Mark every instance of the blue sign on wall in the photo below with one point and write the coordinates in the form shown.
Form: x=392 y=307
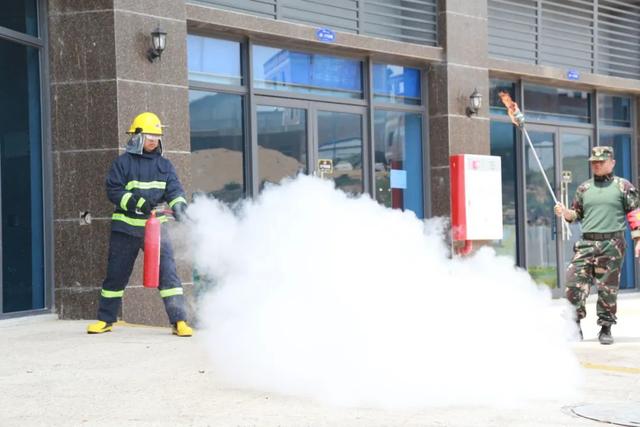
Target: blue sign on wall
x=325 y=35
x=573 y=75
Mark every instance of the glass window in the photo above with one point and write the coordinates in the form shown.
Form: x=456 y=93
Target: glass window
x=20 y=15
x=217 y=144
x=398 y=160
x=503 y=144
x=288 y=70
x=213 y=60
x=396 y=84
x=497 y=86
x=543 y=103
x=621 y=143
x=21 y=179
x=282 y=142
x=614 y=110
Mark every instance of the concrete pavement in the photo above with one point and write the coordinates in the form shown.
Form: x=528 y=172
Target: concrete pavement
x=53 y=374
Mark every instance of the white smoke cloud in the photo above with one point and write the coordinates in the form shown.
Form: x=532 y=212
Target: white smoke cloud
x=337 y=298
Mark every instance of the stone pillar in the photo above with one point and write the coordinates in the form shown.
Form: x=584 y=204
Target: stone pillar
x=100 y=80
x=463 y=35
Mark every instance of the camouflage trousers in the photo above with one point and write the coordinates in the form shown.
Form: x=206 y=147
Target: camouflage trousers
x=599 y=260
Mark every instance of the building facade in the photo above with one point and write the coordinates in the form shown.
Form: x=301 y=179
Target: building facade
x=254 y=91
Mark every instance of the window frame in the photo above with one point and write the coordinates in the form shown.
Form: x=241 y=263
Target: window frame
x=41 y=43
x=285 y=98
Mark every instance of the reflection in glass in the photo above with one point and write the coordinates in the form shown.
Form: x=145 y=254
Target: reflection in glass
x=614 y=110
x=398 y=160
x=217 y=154
x=396 y=84
x=21 y=179
x=575 y=152
x=213 y=60
x=541 y=223
x=19 y=15
x=497 y=86
x=340 y=139
x=503 y=144
x=283 y=69
x=621 y=143
x=282 y=142
x=543 y=103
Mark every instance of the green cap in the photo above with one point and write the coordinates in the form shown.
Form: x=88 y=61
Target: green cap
x=601 y=153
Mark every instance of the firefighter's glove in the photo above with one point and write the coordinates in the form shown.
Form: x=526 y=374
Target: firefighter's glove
x=143 y=205
x=179 y=211
x=131 y=202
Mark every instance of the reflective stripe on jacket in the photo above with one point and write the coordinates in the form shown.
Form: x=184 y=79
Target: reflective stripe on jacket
x=147 y=176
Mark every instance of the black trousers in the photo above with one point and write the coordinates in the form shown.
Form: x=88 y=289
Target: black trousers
x=123 y=251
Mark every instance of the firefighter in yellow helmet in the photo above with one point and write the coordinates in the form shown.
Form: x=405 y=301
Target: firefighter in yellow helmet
x=140 y=179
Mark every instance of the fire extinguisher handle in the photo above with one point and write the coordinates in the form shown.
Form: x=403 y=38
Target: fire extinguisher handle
x=162 y=211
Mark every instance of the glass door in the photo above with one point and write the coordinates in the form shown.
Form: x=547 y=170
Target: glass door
x=283 y=137
x=575 y=146
x=563 y=154
x=294 y=135
x=540 y=226
x=339 y=137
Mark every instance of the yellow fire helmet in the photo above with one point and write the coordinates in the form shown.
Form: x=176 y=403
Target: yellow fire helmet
x=147 y=123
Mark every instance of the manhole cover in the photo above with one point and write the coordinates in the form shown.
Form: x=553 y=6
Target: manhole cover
x=622 y=414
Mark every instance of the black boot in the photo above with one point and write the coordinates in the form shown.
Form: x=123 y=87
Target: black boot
x=579 y=330
x=604 y=336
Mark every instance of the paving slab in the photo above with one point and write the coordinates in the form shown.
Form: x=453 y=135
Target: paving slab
x=54 y=374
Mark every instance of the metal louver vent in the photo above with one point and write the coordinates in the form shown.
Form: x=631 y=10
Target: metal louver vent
x=413 y=21
x=264 y=8
x=618 y=48
x=600 y=36
x=513 y=29
x=341 y=15
x=566 y=34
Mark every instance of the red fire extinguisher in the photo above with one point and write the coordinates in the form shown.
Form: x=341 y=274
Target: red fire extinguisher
x=151 y=252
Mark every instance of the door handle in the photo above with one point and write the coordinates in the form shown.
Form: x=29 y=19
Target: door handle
x=564 y=196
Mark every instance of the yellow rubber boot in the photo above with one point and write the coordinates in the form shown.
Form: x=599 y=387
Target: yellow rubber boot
x=99 y=327
x=182 y=329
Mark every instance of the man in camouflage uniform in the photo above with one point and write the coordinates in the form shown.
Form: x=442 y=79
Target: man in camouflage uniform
x=600 y=204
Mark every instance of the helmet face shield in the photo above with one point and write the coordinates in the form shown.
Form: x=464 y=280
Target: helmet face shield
x=136 y=143
x=152 y=143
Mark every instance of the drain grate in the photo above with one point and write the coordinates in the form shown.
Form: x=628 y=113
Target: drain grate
x=622 y=414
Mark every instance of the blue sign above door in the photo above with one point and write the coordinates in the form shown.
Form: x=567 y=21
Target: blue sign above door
x=573 y=75
x=325 y=35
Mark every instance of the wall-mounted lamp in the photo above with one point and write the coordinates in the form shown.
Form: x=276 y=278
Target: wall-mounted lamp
x=159 y=41
x=475 y=102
